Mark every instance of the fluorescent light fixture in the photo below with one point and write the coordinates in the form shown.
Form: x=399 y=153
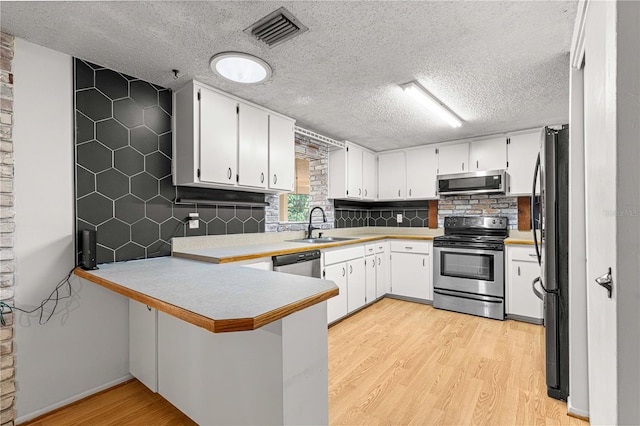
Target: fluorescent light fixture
x=432 y=103
x=240 y=67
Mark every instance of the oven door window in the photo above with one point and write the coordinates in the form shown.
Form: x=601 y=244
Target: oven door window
x=471 y=265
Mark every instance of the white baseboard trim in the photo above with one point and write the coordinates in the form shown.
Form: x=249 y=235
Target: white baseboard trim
x=576 y=411
x=45 y=410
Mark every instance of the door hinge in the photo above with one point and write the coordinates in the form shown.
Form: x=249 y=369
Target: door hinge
x=198 y=95
x=198 y=173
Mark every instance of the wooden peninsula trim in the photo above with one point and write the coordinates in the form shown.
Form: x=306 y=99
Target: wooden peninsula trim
x=515 y=241
x=211 y=324
x=259 y=255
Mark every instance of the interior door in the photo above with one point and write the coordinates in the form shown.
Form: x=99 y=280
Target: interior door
x=600 y=201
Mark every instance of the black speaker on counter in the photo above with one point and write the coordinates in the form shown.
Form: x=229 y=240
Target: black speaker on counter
x=88 y=246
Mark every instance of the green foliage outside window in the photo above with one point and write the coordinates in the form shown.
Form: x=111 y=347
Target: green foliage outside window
x=298 y=207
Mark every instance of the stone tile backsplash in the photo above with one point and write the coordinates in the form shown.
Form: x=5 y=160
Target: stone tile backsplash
x=123 y=170
x=479 y=205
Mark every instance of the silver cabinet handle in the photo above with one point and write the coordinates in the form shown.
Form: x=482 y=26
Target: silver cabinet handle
x=359 y=191
x=398 y=192
x=463 y=166
x=409 y=191
x=378 y=261
x=408 y=248
x=229 y=173
x=477 y=164
x=423 y=265
x=365 y=192
x=344 y=272
x=533 y=255
x=370 y=249
x=275 y=178
x=373 y=264
x=518 y=271
x=350 y=269
x=261 y=177
x=606 y=281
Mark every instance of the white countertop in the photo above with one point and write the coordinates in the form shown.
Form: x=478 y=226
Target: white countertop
x=216 y=292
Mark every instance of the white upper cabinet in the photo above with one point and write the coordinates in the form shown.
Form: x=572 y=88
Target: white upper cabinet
x=218 y=138
x=253 y=132
x=523 y=150
x=488 y=154
x=453 y=158
x=220 y=141
x=354 y=171
x=281 y=152
x=369 y=176
x=421 y=173
x=391 y=175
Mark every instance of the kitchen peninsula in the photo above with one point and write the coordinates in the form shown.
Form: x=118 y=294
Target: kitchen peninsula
x=226 y=344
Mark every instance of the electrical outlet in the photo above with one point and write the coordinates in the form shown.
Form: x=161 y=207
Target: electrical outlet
x=399 y=218
x=194 y=223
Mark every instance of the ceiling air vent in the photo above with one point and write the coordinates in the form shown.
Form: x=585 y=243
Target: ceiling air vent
x=276 y=28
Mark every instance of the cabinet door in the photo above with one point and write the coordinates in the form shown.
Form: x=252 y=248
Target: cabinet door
x=253 y=146
x=382 y=274
x=356 y=284
x=521 y=300
x=453 y=158
x=281 y=153
x=354 y=172
x=337 y=174
x=410 y=275
x=488 y=154
x=143 y=343
x=391 y=176
x=421 y=173
x=218 y=138
x=522 y=152
x=337 y=306
x=369 y=176
x=370 y=278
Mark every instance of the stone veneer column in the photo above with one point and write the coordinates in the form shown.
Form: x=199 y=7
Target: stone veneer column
x=7 y=229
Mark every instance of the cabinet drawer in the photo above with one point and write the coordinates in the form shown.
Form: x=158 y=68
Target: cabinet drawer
x=381 y=247
x=523 y=253
x=370 y=249
x=343 y=254
x=410 y=246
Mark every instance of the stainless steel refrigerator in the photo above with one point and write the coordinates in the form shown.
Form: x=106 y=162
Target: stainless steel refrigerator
x=550 y=214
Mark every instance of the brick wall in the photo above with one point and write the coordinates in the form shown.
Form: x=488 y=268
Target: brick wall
x=317 y=153
x=7 y=228
x=479 y=205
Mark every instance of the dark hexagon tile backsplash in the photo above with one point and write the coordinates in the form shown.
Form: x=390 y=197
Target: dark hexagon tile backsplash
x=123 y=170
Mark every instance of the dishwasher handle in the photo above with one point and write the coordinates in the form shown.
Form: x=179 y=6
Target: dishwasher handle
x=290 y=259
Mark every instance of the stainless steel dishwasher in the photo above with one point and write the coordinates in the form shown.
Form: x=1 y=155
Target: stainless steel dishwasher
x=305 y=263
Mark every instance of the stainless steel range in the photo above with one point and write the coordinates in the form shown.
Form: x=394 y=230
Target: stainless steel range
x=468 y=266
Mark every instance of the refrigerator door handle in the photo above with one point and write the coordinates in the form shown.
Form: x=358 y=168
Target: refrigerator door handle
x=535 y=290
x=533 y=198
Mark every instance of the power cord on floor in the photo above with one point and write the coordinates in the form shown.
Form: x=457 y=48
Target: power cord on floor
x=54 y=296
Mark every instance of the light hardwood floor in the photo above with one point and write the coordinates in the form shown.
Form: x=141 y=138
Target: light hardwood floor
x=399 y=362
x=393 y=363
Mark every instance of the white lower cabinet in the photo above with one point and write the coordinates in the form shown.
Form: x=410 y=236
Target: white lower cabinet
x=522 y=269
x=382 y=269
x=143 y=344
x=337 y=306
x=370 y=278
x=345 y=267
x=411 y=269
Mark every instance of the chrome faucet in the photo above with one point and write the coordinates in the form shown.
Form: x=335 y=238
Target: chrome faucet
x=311 y=228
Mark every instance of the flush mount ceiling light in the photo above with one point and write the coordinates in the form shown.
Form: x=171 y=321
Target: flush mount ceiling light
x=432 y=103
x=240 y=67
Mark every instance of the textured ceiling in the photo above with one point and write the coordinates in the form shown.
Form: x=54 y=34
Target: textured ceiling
x=499 y=65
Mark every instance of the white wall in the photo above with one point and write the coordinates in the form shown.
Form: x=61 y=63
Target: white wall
x=85 y=345
x=627 y=278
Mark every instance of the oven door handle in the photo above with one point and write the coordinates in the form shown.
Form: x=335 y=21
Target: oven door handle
x=469 y=296
x=468 y=251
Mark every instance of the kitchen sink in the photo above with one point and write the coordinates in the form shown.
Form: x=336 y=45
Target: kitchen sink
x=321 y=240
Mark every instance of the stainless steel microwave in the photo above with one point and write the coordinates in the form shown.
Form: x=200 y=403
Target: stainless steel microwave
x=485 y=182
